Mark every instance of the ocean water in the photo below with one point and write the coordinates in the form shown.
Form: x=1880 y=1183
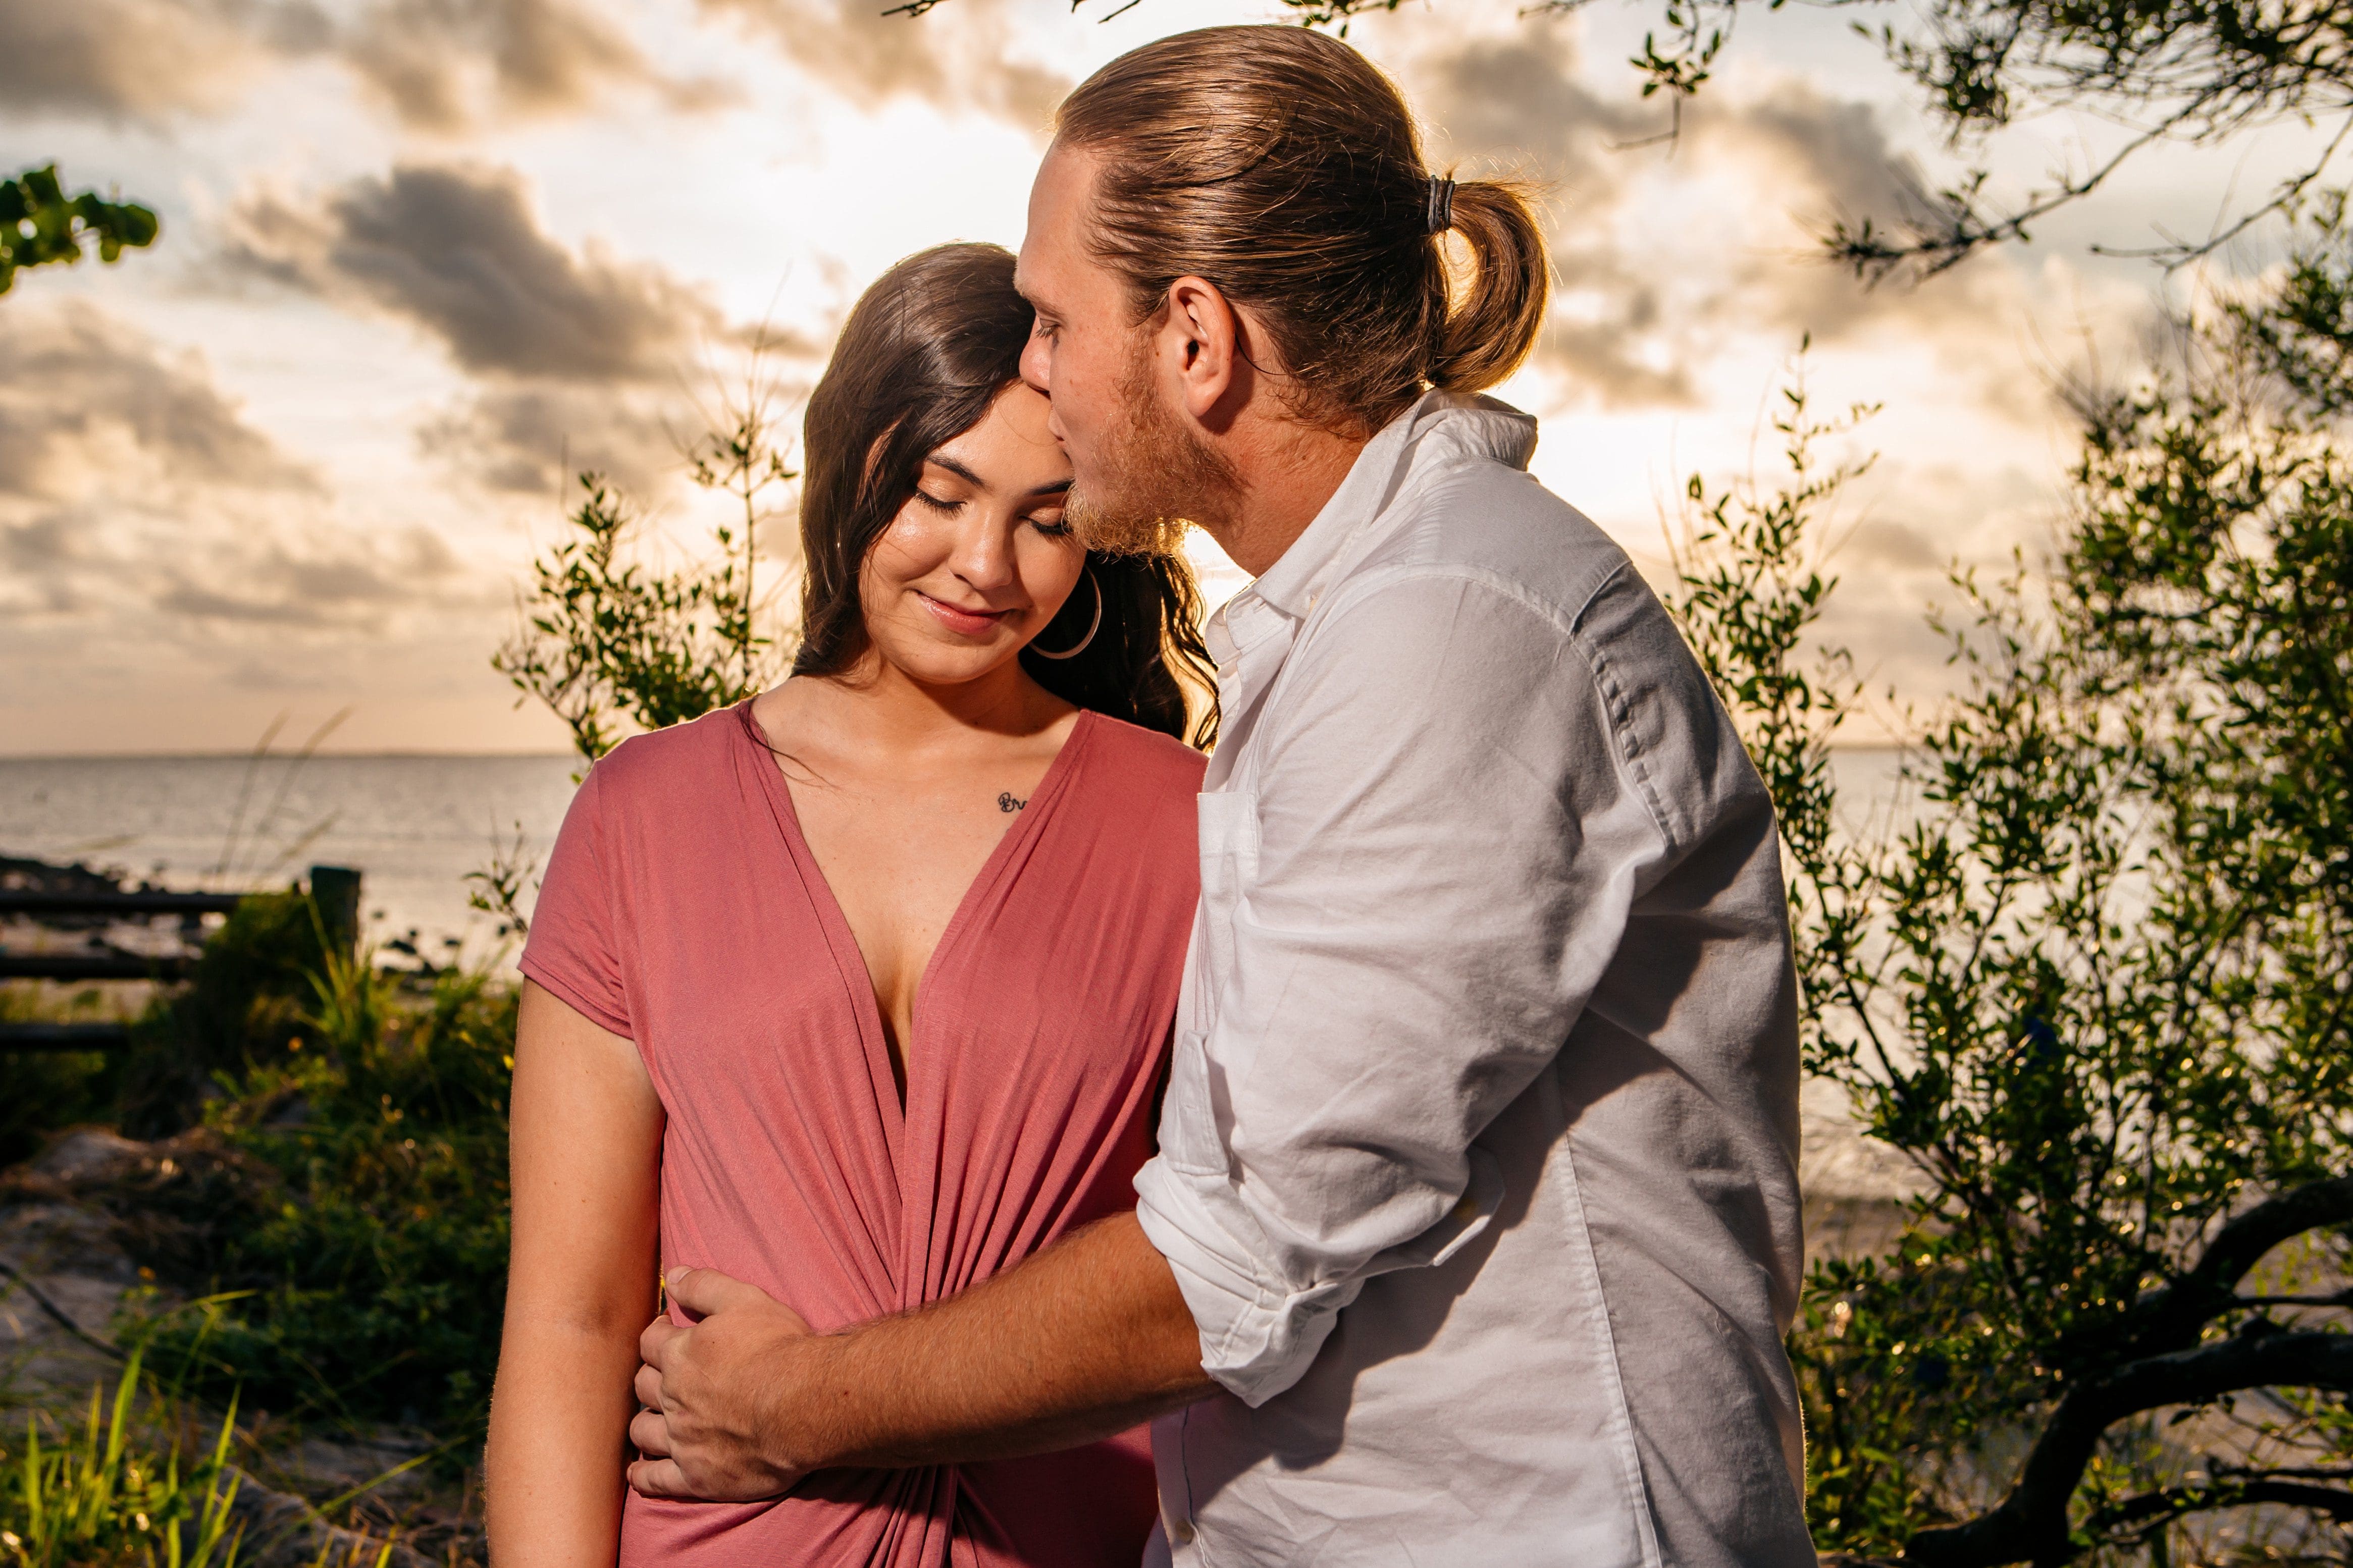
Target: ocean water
x=412 y=826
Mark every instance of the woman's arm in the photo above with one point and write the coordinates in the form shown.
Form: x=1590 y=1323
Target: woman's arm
x=586 y=1146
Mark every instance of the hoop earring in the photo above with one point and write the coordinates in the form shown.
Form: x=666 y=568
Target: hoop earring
x=1092 y=627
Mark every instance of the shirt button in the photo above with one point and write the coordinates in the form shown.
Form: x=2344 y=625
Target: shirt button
x=1466 y=1206
x=1181 y=1532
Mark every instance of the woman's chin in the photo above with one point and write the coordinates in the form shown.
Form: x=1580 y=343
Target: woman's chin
x=946 y=666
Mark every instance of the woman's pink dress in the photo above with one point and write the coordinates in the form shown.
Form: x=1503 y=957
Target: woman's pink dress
x=683 y=908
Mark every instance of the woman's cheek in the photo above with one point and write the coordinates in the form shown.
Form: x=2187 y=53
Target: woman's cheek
x=1051 y=567
x=898 y=554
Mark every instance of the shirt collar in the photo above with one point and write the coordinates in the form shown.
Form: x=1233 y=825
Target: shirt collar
x=1440 y=423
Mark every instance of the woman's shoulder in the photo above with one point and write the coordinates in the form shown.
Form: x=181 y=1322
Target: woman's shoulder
x=1142 y=756
x=659 y=764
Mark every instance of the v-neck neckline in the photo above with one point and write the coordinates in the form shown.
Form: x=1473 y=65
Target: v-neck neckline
x=849 y=958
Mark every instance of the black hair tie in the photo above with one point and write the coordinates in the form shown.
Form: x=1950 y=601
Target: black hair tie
x=1441 y=213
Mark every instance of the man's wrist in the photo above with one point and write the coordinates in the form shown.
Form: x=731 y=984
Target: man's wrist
x=811 y=1413
x=1046 y=1356
x=856 y=1401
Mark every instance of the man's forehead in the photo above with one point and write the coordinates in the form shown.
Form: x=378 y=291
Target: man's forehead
x=1027 y=278
x=1057 y=201
x=1034 y=265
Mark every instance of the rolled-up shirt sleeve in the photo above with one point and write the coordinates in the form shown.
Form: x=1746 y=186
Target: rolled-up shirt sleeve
x=1449 y=815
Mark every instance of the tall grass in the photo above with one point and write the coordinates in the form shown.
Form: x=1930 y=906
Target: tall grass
x=108 y=1498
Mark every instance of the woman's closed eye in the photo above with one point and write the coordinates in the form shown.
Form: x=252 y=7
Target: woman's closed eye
x=1049 y=523
x=947 y=506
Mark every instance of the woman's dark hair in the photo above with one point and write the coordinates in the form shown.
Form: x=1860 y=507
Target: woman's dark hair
x=924 y=353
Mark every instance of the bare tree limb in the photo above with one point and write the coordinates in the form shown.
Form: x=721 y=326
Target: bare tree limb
x=2170 y=1318
x=1964 y=231
x=2341 y=1298
x=2030 y=1524
x=2173 y=1502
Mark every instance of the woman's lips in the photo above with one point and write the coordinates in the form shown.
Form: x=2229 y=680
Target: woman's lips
x=966 y=623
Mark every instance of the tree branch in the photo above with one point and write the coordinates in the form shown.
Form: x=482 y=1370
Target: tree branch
x=2170 y=1318
x=2234 y=1493
x=2180 y=253
x=2341 y=1298
x=1964 y=231
x=2030 y=1524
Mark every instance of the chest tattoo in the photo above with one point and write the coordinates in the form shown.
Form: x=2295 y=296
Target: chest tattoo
x=1006 y=803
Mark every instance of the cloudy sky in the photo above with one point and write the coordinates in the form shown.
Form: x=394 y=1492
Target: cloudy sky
x=420 y=255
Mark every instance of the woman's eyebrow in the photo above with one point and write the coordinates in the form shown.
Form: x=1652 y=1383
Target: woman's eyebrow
x=942 y=461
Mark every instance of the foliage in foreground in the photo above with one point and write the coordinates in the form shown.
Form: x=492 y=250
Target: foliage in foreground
x=356 y=1271
x=109 y=1498
x=2098 y=992
x=41 y=225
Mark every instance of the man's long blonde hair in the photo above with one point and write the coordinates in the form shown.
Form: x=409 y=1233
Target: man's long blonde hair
x=1283 y=167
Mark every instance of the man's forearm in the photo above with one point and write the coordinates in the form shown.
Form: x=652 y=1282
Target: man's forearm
x=1082 y=1340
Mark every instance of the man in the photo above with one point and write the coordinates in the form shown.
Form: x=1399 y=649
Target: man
x=1474 y=1225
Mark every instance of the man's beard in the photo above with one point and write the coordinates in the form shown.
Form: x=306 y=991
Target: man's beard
x=1158 y=476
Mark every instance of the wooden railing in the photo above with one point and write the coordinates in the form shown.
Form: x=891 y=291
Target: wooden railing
x=336 y=889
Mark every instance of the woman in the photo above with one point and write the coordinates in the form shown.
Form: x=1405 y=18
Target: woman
x=860 y=990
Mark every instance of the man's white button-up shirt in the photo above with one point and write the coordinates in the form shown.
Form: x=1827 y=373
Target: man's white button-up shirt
x=1477 y=1164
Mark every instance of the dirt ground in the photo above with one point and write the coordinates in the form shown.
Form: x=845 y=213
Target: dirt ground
x=67 y=1241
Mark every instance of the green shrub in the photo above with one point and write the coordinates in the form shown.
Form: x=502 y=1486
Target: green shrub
x=42 y=1091
x=362 y=1277
x=248 y=995
x=2099 y=993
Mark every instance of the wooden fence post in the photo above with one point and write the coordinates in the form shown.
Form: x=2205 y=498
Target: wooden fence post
x=337 y=891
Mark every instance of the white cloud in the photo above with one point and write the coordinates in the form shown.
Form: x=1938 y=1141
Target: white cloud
x=444 y=65
x=507 y=235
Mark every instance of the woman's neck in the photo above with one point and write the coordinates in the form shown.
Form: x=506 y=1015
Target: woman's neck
x=878 y=706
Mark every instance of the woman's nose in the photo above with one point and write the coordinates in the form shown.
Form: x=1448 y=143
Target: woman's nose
x=984 y=553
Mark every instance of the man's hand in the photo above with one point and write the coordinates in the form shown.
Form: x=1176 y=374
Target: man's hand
x=716 y=1419
x=1082 y=1340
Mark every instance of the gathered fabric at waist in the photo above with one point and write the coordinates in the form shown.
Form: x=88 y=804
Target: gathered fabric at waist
x=997 y=1513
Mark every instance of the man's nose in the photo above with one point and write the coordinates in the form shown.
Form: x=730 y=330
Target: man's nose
x=1037 y=365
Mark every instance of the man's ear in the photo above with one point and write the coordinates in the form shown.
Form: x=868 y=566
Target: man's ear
x=1201 y=336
